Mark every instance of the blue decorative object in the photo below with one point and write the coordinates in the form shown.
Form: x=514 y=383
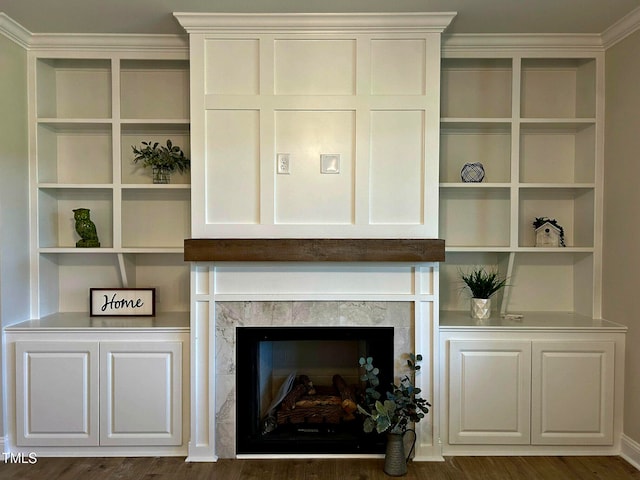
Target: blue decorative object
x=472 y=172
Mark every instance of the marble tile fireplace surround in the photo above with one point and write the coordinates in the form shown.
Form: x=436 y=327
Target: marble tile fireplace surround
x=302 y=283
x=230 y=315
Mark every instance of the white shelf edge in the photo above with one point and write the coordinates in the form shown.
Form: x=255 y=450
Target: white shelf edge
x=110 y=250
x=109 y=121
x=541 y=250
x=505 y=122
x=179 y=250
x=111 y=186
x=81 y=321
x=152 y=186
x=558 y=120
x=74 y=121
x=535 y=125
x=155 y=121
x=75 y=186
x=505 y=185
x=488 y=121
x=531 y=320
x=567 y=186
x=77 y=250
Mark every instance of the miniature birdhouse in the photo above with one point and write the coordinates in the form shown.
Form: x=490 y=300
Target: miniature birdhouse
x=548 y=235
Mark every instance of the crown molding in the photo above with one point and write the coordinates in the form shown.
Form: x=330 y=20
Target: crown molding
x=109 y=42
x=507 y=43
x=314 y=22
x=178 y=44
x=328 y=22
x=620 y=30
x=14 y=31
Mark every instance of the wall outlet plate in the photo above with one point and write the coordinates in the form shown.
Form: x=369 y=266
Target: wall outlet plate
x=283 y=163
x=330 y=163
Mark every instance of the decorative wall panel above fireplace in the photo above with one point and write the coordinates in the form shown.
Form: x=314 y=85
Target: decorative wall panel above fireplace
x=365 y=88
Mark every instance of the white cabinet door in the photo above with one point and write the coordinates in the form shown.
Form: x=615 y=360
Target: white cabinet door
x=141 y=388
x=56 y=393
x=489 y=392
x=573 y=384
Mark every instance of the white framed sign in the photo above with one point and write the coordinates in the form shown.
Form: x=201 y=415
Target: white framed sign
x=131 y=302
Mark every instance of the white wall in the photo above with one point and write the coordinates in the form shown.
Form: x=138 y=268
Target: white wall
x=14 y=187
x=621 y=252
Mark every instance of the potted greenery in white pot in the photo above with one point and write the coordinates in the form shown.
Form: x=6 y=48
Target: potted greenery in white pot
x=483 y=285
x=163 y=160
x=402 y=407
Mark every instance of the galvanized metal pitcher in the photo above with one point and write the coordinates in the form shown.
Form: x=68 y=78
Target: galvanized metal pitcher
x=395 y=461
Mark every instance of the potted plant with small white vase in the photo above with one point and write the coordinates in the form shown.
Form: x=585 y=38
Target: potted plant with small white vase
x=163 y=160
x=483 y=285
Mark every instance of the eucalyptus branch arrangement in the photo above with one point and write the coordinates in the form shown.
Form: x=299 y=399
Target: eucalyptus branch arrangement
x=402 y=404
x=169 y=158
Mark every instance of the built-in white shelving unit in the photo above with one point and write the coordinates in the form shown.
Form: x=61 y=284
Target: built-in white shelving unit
x=87 y=110
x=87 y=107
x=533 y=116
x=535 y=123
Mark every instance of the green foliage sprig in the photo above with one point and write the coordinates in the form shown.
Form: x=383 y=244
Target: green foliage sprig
x=482 y=283
x=402 y=405
x=169 y=158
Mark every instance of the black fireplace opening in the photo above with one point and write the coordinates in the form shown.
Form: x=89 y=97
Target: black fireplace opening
x=272 y=365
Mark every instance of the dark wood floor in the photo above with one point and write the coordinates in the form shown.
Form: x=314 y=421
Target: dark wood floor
x=454 y=468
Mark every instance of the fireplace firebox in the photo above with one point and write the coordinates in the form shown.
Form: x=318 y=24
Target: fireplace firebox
x=292 y=384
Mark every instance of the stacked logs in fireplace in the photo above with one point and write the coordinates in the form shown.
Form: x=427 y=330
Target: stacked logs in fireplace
x=307 y=403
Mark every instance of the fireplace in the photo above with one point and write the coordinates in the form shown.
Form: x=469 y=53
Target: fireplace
x=360 y=236
x=312 y=419
x=306 y=283
x=396 y=319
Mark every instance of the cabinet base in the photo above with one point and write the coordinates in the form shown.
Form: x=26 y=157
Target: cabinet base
x=531 y=450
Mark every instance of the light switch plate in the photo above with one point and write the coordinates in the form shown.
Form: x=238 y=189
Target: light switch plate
x=330 y=163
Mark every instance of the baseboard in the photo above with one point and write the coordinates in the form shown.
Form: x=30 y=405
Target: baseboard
x=630 y=451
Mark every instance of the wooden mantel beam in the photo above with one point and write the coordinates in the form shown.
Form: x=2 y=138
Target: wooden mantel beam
x=313 y=250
